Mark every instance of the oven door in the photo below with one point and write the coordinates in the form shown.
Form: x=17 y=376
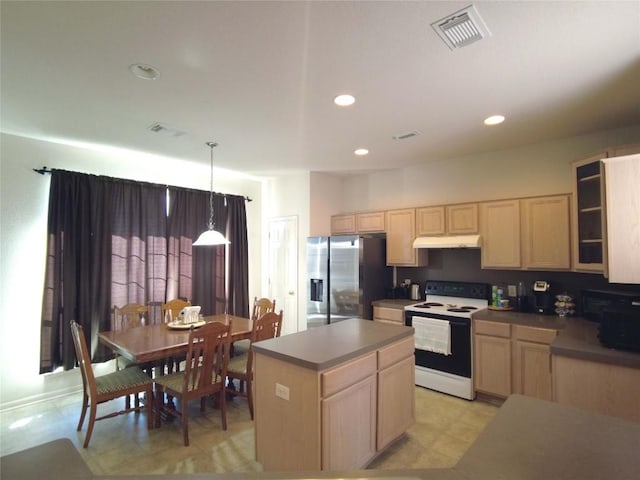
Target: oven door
x=459 y=362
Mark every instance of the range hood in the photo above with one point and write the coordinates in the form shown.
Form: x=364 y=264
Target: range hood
x=452 y=241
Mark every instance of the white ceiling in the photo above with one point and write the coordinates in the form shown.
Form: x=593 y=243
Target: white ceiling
x=260 y=77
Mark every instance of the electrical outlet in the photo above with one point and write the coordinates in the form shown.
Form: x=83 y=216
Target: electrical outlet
x=512 y=291
x=282 y=391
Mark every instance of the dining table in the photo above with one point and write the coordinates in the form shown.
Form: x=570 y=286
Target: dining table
x=151 y=343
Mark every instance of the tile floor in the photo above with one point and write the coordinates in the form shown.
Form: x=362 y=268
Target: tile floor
x=445 y=427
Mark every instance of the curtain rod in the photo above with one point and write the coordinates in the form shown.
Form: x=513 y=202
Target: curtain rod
x=44 y=170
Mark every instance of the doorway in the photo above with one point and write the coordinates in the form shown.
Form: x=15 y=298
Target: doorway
x=283 y=269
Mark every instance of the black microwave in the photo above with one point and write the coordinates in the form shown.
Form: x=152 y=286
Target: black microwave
x=620 y=328
x=594 y=302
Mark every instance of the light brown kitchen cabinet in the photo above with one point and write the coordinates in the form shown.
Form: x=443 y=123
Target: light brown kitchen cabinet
x=500 y=234
x=370 y=222
x=430 y=221
x=492 y=358
x=589 y=224
x=462 y=219
x=447 y=220
x=393 y=316
x=512 y=359
x=343 y=224
x=401 y=232
x=545 y=233
x=532 y=361
x=396 y=391
x=339 y=417
x=598 y=387
x=349 y=426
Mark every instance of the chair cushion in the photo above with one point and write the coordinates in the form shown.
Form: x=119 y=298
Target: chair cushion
x=241 y=347
x=238 y=364
x=121 y=380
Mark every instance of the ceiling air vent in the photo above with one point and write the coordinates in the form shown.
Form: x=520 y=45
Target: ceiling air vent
x=461 y=28
x=404 y=136
x=166 y=130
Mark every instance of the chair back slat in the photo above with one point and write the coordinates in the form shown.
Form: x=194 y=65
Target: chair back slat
x=209 y=348
x=173 y=307
x=267 y=326
x=131 y=315
x=262 y=306
x=84 y=359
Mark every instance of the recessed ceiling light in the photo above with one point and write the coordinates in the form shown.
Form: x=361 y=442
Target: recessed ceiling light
x=494 y=120
x=361 y=152
x=344 y=100
x=146 y=72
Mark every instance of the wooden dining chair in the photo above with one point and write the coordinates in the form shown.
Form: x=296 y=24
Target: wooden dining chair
x=240 y=367
x=97 y=390
x=132 y=315
x=204 y=375
x=260 y=307
x=169 y=312
x=172 y=308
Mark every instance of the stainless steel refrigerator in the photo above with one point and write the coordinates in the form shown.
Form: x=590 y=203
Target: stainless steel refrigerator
x=345 y=274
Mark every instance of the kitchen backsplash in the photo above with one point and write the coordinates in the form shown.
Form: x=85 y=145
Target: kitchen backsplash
x=464 y=265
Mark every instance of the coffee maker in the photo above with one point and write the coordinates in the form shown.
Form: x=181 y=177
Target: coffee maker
x=542 y=298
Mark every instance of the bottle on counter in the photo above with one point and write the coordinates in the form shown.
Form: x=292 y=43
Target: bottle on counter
x=521 y=299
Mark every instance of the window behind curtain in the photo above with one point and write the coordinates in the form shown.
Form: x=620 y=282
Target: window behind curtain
x=139 y=245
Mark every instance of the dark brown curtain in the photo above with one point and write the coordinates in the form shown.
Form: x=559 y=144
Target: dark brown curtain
x=78 y=270
x=238 y=275
x=198 y=273
x=111 y=242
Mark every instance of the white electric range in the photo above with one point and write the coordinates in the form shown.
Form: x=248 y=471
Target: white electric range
x=443 y=335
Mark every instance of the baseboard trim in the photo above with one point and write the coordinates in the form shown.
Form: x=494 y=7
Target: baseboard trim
x=41 y=397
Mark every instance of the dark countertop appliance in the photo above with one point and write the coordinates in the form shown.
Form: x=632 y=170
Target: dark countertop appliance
x=542 y=299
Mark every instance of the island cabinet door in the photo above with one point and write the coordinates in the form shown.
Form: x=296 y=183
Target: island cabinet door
x=349 y=426
x=396 y=400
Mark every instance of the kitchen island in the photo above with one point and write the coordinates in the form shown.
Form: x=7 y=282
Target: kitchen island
x=332 y=397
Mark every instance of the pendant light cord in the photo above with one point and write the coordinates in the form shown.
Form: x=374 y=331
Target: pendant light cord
x=211 y=145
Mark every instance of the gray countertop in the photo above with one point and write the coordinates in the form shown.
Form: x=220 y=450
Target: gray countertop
x=330 y=345
x=577 y=337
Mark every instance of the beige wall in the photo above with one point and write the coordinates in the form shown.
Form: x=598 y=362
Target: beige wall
x=532 y=170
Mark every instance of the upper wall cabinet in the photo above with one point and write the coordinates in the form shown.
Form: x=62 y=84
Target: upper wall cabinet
x=370 y=222
x=500 y=233
x=462 y=219
x=430 y=221
x=343 y=224
x=622 y=179
x=589 y=209
x=589 y=229
x=545 y=233
x=449 y=219
x=401 y=232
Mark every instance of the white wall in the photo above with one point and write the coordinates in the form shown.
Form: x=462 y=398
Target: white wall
x=23 y=219
x=288 y=195
x=326 y=199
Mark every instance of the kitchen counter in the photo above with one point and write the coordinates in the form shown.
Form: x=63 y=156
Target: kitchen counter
x=325 y=347
x=577 y=337
x=332 y=397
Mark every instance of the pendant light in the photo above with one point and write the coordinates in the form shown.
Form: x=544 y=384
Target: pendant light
x=211 y=236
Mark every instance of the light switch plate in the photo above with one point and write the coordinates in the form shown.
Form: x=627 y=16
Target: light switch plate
x=512 y=290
